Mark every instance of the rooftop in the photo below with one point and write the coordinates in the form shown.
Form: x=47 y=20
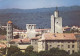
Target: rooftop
x=9 y=22
x=58 y=36
x=26 y=40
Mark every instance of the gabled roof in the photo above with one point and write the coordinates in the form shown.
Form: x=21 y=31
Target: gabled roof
x=2 y=45
x=37 y=30
x=2 y=37
x=26 y=40
x=58 y=36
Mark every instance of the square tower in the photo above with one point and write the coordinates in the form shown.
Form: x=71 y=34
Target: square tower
x=56 y=23
x=31 y=30
x=9 y=30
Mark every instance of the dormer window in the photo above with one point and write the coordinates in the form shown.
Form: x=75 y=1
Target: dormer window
x=54 y=35
x=64 y=36
x=57 y=22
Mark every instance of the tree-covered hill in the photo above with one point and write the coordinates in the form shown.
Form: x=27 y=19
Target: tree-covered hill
x=41 y=16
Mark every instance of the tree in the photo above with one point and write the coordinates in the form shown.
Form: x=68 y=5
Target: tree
x=12 y=50
x=58 y=52
x=29 y=49
x=3 y=50
x=3 y=31
x=45 y=53
x=76 y=54
x=19 y=53
x=34 y=54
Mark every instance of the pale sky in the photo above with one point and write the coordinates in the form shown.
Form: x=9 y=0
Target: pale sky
x=33 y=4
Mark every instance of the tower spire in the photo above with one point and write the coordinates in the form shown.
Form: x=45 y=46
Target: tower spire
x=56 y=8
x=56 y=13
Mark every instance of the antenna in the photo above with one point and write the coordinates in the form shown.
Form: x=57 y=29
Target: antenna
x=56 y=8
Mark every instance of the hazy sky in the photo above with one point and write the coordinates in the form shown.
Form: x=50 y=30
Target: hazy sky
x=32 y=4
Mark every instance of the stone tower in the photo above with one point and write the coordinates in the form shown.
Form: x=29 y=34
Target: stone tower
x=9 y=30
x=31 y=30
x=56 y=22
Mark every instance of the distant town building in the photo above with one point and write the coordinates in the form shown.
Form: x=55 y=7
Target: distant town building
x=21 y=33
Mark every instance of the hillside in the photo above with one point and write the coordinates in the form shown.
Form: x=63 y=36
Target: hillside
x=41 y=17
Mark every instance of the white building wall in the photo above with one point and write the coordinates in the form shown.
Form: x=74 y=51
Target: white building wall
x=31 y=30
x=40 y=46
x=58 y=25
x=52 y=24
x=9 y=31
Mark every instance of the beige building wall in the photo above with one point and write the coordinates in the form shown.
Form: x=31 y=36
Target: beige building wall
x=69 y=46
x=34 y=43
x=23 y=47
x=21 y=34
x=40 y=46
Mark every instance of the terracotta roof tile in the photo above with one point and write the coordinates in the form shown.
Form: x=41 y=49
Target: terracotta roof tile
x=2 y=45
x=2 y=37
x=58 y=36
x=41 y=29
x=16 y=30
x=9 y=22
x=26 y=40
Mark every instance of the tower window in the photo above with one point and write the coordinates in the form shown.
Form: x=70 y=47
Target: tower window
x=69 y=51
x=8 y=28
x=68 y=46
x=72 y=46
x=62 y=46
x=64 y=36
x=72 y=51
x=57 y=32
x=54 y=35
x=57 y=22
x=50 y=46
x=58 y=46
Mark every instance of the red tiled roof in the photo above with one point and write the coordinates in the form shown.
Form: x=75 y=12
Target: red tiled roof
x=2 y=37
x=58 y=36
x=2 y=45
x=21 y=40
x=16 y=30
x=26 y=40
x=41 y=29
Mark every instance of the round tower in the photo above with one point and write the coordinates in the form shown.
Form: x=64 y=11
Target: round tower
x=9 y=30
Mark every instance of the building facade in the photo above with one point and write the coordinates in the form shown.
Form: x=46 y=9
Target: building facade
x=64 y=41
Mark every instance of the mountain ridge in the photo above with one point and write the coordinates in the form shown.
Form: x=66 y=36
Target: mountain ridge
x=41 y=16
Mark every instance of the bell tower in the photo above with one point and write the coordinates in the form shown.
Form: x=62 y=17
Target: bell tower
x=56 y=22
x=9 y=30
